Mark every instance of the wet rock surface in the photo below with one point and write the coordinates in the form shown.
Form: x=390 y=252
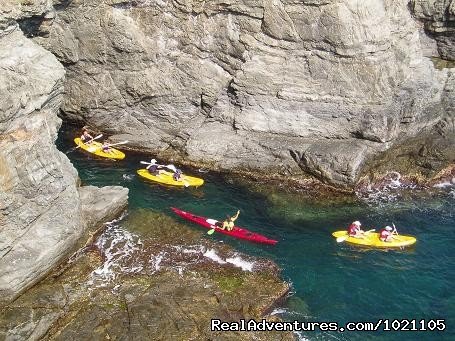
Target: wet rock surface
x=150 y=278
x=264 y=79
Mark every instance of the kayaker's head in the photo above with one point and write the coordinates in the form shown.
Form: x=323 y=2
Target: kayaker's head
x=357 y=223
x=152 y=161
x=388 y=228
x=228 y=217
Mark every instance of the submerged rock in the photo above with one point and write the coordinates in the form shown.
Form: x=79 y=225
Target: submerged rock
x=174 y=300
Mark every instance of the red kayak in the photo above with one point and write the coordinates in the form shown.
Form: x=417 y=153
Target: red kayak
x=237 y=232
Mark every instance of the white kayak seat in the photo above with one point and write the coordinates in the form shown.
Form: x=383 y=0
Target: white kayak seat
x=212 y=221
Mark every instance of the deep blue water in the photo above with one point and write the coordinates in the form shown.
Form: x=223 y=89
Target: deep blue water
x=331 y=282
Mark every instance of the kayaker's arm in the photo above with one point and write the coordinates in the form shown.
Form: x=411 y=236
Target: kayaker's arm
x=234 y=218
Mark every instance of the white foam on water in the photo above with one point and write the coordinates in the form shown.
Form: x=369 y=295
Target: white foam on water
x=213 y=256
x=180 y=270
x=236 y=260
x=136 y=269
x=128 y=177
x=241 y=263
x=193 y=249
x=115 y=221
x=117 y=246
x=445 y=184
x=277 y=311
x=156 y=261
x=300 y=336
x=387 y=192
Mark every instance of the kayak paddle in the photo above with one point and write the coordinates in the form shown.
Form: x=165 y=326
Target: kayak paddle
x=343 y=238
x=118 y=143
x=211 y=231
x=79 y=145
x=92 y=149
x=171 y=167
x=395 y=232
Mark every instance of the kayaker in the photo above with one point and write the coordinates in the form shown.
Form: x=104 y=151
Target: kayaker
x=386 y=234
x=355 y=231
x=153 y=168
x=228 y=224
x=177 y=175
x=106 y=147
x=86 y=137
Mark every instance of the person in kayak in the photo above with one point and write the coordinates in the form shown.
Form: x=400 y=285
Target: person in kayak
x=177 y=175
x=153 y=168
x=386 y=234
x=86 y=138
x=228 y=224
x=355 y=231
x=106 y=147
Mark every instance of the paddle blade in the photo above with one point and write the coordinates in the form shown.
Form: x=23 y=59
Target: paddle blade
x=394 y=229
x=342 y=239
x=211 y=231
x=117 y=144
x=145 y=163
x=171 y=167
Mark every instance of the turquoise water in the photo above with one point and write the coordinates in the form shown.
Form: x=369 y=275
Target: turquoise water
x=331 y=282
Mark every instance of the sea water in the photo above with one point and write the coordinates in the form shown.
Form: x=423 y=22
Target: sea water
x=330 y=281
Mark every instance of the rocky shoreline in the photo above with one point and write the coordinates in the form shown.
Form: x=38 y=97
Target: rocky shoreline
x=168 y=283
x=44 y=214
x=328 y=95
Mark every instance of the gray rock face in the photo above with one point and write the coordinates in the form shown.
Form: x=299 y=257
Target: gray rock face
x=102 y=203
x=439 y=19
x=40 y=213
x=248 y=84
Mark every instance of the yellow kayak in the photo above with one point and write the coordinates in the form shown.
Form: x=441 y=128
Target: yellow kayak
x=166 y=178
x=372 y=239
x=95 y=149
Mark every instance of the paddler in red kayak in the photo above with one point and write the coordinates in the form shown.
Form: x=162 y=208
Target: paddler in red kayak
x=228 y=224
x=355 y=231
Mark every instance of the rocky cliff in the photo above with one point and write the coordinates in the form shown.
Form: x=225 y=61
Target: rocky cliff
x=439 y=20
x=318 y=86
x=41 y=218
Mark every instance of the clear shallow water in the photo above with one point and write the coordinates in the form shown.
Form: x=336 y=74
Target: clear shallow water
x=331 y=282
